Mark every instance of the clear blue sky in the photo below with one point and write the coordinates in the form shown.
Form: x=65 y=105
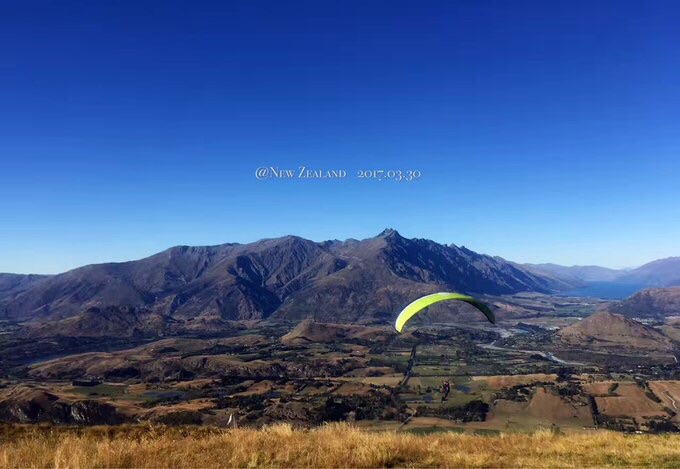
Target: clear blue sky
x=544 y=130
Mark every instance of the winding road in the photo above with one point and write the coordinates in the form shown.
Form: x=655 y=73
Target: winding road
x=668 y=395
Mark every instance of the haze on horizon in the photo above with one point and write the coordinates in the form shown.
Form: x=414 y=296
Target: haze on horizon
x=545 y=132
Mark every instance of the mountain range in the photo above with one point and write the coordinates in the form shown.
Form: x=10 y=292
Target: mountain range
x=203 y=288
x=576 y=273
x=658 y=273
x=286 y=278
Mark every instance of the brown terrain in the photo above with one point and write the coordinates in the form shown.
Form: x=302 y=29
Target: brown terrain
x=310 y=331
x=311 y=372
x=624 y=400
x=604 y=329
x=289 y=330
x=337 y=445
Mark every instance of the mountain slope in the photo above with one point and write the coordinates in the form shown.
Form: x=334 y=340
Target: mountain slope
x=584 y=273
x=659 y=273
x=656 y=303
x=288 y=277
x=238 y=281
x=386 y=272
x=11 y=284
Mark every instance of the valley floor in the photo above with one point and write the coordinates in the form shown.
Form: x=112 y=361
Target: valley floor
x=336 y=445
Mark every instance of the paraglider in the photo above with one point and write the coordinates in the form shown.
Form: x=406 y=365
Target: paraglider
x=421 y=303
x=446 y=389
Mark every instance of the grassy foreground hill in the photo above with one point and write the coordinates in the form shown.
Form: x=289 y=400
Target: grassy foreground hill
x=336 y=445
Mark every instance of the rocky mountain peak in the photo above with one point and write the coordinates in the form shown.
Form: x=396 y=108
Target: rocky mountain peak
x=389 y=233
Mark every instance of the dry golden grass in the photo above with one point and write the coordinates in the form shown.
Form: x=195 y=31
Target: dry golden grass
x=328 y=446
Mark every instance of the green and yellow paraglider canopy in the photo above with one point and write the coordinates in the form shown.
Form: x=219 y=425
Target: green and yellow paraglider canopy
x=421 y=303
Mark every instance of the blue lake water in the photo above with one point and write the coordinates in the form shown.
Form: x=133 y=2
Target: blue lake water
x=606 y=290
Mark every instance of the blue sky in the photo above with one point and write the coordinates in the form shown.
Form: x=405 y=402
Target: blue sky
x=544 y=131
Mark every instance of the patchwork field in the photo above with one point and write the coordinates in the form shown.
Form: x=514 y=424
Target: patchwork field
x=505 y=381
x=504 y=378
x=543 y=410
x=626 y=400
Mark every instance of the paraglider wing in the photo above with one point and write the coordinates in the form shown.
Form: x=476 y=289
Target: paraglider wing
x=425 y=301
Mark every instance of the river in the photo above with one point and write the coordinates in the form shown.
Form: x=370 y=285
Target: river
x=547 y=355
x=509 y=332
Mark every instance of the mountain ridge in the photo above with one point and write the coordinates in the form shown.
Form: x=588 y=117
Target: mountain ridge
x=285 y=278
x=586 y=273
x=658 y=273
x=653 y=303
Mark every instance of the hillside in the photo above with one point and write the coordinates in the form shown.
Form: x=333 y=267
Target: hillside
x=604 y=329
x=583 y=273
x=659 y=273
x=11 y=284
x=328 y=446
x=285 y=278
x=316 y=332
x=650 y=303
